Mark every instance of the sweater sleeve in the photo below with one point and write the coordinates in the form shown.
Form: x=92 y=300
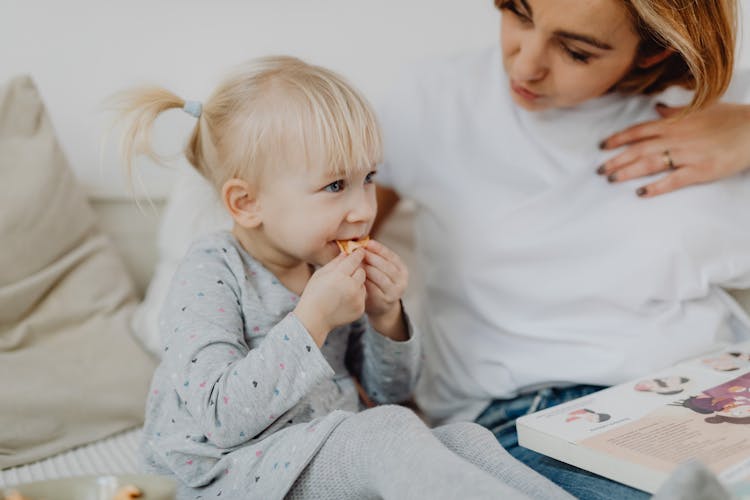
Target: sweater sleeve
x=232 y=391
x=387 y=369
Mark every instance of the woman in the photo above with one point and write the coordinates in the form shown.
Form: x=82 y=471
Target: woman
x=541 y=283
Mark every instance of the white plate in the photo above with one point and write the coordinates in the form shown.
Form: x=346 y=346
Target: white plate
x=153 y=487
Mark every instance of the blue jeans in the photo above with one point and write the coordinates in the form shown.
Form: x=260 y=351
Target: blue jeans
x=500 y=417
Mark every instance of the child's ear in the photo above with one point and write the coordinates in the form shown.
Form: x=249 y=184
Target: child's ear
x=646 y=61
x=240 y=200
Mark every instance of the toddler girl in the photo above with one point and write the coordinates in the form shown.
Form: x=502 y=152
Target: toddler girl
x=267 y=328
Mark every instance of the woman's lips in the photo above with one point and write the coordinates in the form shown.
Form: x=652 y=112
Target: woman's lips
x=524 y=92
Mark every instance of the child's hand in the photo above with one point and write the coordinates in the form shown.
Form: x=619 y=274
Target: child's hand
x=334 y=296
x=386 y=282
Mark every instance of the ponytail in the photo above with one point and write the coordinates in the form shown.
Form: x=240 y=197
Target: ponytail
x=138 y=109
x=263 y=116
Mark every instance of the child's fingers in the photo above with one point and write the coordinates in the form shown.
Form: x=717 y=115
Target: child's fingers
x=335 y=262
x=374 y=247
x=351 y=262
x=387 y=267
x=379 y=279
x=359 y=275
x=373 y=292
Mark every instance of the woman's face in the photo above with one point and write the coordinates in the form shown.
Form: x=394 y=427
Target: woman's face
x=560 y=53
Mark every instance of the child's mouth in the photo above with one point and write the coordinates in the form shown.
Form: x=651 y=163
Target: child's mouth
x=348 y=246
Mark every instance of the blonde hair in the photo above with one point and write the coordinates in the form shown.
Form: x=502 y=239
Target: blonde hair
x=702 y=34
x=269 y=113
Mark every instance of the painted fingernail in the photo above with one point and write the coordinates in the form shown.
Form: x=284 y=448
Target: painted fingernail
x=603 y=144
x=611 y=177
x=641 y=191
x=601 y=170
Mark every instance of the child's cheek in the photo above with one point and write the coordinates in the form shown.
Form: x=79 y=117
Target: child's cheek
x=327 y=254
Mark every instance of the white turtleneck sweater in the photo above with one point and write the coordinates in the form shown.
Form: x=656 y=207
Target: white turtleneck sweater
x=537 y=271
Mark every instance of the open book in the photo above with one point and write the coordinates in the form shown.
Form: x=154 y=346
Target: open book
x=636 y=433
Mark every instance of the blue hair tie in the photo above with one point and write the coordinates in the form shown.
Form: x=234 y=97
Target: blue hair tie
x=194 y=108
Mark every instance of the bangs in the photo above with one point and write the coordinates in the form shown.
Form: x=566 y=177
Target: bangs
x=305 y=117
x=335 y=128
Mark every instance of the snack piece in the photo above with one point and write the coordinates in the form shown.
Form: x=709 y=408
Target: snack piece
x=127 y=492
x=348 y=246
x=14 y=495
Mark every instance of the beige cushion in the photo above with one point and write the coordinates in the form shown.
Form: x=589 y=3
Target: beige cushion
x=71 y=372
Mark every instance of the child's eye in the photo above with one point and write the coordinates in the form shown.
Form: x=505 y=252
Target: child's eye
x=368 y=177
x=335 y=186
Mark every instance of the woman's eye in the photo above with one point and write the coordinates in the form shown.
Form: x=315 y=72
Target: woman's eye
x=335 y=186
x=368 y=177
x=516 y=11
x=582 y=57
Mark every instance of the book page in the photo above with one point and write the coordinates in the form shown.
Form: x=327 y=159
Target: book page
x=602 y=411
x=672 y=435
x=698 y=409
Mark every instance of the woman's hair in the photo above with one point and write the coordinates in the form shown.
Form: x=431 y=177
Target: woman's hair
x=271 y=113
x=702 y=34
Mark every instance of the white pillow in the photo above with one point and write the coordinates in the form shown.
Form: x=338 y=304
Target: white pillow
x=193 y=210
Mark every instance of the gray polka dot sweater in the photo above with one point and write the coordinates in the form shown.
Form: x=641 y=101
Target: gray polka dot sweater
x=243 y=398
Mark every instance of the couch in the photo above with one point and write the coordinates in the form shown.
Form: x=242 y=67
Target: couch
x=82 y=336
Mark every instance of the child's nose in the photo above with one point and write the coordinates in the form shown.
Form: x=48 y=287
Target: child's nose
x=363 y=208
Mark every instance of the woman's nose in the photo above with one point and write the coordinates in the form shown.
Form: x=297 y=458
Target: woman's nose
x=529 y=63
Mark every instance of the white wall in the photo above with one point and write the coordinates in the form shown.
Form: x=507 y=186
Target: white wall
x=81 y=51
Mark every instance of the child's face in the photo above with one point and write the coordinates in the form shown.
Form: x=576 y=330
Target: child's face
x=560 y=53
x=306 y=210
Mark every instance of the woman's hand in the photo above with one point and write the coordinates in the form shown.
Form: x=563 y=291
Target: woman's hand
x=386 y=282
x=334 y=296
x=703 y=146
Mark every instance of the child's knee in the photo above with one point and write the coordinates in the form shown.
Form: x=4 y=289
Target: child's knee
x=390 y=417
x=461 y=432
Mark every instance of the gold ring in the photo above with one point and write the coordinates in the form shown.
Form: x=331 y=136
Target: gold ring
x=668 y=160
